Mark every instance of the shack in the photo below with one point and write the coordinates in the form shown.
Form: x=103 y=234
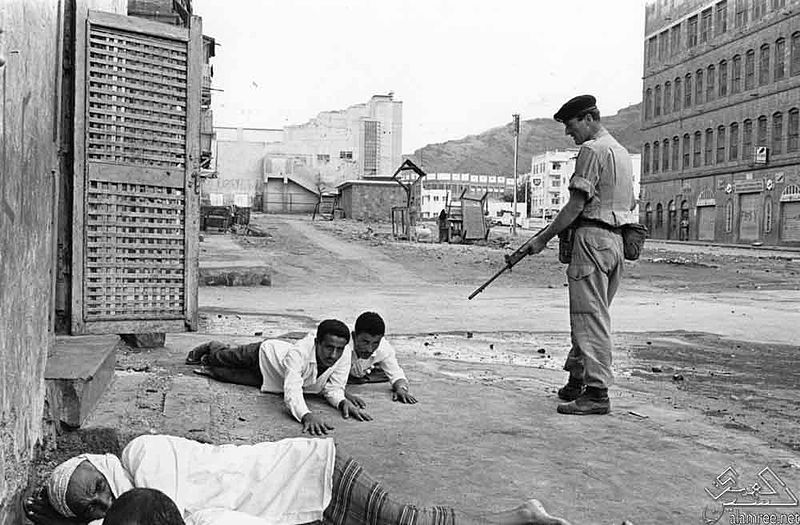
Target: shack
x=370 y=199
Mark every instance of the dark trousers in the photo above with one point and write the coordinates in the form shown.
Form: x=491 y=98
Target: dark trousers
x=232 y=364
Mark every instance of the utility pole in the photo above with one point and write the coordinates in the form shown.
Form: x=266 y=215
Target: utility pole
x=516 y=149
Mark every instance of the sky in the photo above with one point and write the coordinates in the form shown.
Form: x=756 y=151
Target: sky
x=460 y=67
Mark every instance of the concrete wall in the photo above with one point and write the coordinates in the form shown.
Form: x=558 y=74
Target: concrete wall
x=371 y=201
x=239 y=165
x=28 y=203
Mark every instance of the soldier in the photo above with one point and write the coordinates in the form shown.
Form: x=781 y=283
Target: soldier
x=601 y=202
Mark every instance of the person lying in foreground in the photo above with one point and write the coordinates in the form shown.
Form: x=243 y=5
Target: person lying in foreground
x=292 y=481
x=317 y=364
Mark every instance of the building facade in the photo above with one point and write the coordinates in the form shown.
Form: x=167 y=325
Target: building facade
x=364 y=140
x=549 y=180
x=721 y=149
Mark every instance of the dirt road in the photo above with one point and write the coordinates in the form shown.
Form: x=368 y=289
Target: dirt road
x=706 y=363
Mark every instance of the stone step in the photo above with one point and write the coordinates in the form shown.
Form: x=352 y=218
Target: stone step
x=78 y=372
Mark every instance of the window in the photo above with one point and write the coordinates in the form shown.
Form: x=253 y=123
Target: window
x=346 y=155
x=698 y=87
x=747 y=140
x=736 y=75
x=733 y=143
x=687 y=91
x=648 y=104
x=710 y=80
x=777 y=4
x=705 y=25
x=741 y=13
x=676 y=151
x=708 y=157
x=667 y=96
x=691 y=32
x=768 y=215
x=729 y=216
x=665 y=156
x=555 y=183
x=763 y=65
x=435 y=198
x=648 y=216
x=656 y=156
x=722 y=83
x=721 y=21
x=794 y=59
x=322 y=157
x=646 y=158
x=697 y=150
x=777 y=134
x=761 y=131
x=749 y=69
x=652 y=49
x=759 y=9
x=657 y=102
x=676 y=105
x=792 y=133
x=675 y=39
x=720 y=144
x=780 y=59
x=659 y=215
x=687 y=148
x=663 y=45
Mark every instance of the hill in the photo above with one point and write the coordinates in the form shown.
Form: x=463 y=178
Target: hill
x=492 y=151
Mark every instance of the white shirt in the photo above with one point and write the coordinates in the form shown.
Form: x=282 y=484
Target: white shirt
x=384 y=356
x=292 y=369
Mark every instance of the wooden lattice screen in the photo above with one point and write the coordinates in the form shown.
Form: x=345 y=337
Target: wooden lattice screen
x=140 y=118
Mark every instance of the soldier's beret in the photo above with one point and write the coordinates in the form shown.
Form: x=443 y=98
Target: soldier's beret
x=575 y=106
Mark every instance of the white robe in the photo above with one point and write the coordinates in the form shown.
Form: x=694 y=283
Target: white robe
x=273 y=483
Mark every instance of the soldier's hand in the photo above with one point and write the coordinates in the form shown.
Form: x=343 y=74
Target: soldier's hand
x=315 y=425
x=356 y=400
x=349 y=409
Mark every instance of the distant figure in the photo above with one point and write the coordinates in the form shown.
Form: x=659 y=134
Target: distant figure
x=685 y=229
x=444 y=227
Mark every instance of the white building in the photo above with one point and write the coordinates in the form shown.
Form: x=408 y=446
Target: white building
x=364 y=140
x=549 y=180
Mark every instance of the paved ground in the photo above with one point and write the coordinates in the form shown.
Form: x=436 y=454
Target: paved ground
x=707 y=368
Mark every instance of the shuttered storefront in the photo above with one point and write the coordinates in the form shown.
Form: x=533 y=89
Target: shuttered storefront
x=749 y=216
x=706 y=221
x=790 y=221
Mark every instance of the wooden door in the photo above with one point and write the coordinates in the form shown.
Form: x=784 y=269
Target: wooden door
x=136 y=198
x=749 y=216
x=706 y=219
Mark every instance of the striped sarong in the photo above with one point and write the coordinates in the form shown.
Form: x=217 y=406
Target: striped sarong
x=357 y=499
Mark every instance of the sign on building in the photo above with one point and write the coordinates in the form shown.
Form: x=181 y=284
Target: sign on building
x=762 y=155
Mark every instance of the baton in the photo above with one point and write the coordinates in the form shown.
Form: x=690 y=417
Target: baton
x=499 y=273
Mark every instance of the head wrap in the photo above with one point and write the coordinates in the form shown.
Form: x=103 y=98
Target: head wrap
x=58 y=483
x=107 y=464
x=575 y=106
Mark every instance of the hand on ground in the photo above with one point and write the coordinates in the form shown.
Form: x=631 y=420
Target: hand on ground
x=356 y=400
x=349 y=409
x=315 y=425
x=39 y=511
x=404 y=396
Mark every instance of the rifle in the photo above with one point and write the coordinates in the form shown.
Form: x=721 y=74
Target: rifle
x=508 y=266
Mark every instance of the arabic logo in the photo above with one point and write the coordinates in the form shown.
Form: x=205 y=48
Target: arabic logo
x=768 y=491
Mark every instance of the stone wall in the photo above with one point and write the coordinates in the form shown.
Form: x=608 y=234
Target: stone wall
x=371 y=202
x=29 y=46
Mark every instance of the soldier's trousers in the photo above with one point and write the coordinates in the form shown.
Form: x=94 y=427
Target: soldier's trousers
x=594 y=274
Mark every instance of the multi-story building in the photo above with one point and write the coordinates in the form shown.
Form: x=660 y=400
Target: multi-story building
x=549 y=180
x=364 y=140
x=721 y=152
x=456 y=183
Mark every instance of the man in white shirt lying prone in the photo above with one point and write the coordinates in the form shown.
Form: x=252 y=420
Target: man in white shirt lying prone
x=316 y=364
x=374 y=360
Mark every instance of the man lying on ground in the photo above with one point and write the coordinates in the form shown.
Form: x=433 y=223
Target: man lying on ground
x=373 y=360
x=316 y=364
x=286 y=482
